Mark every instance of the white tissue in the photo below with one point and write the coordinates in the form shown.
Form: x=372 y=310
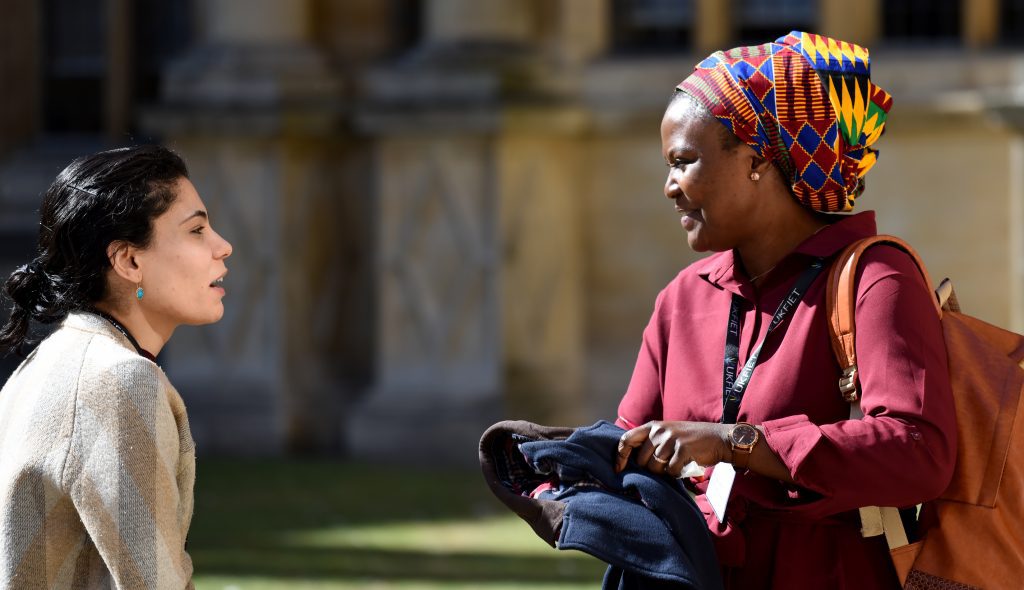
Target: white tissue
x=692 y=470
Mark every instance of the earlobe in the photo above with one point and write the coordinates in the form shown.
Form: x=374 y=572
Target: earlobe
x=759 y=167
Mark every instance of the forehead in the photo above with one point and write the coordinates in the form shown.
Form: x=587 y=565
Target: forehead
x=186 y=199
x=685 y=125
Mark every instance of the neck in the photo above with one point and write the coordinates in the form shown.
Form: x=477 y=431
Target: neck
x=150 y=337
x=774 y=241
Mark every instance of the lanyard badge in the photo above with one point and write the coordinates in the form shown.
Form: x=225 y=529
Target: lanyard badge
x=734 y=385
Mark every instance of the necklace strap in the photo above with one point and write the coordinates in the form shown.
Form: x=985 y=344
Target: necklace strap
x=755 y=277
x=120 y=328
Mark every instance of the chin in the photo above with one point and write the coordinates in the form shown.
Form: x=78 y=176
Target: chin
x=699 y=243
x=216 y=315
x=211 y=316
x=696 y=244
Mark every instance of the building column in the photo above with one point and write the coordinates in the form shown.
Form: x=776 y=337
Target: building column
x=1010 y=113
x=1016 y=245
x=117 y=101
x=584 y=30
x=256 y=112
x=859 y=22
x=455 y=21
x=980 y=25
x=478 y=280
x=20 y=49
x=714 y=28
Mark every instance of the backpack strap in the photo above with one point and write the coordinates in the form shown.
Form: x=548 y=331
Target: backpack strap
x=840 y=299
x=839 y=305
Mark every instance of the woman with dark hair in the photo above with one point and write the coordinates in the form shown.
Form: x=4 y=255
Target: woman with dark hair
x=97 y=462
x=765 y=145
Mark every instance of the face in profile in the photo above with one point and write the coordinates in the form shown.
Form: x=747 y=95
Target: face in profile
x=184 y=266
x=708 y=179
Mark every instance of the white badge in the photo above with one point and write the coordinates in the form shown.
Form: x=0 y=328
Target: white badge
x=720 y=487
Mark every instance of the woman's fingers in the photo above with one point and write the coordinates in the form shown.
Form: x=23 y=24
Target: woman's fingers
x=667 y=447
x=645 y=456
x=632 y=439
x=676 y=465
x=656 y=459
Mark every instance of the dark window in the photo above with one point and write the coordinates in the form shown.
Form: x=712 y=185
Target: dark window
x=74 y=61
x=76 y=65
x=408 y=21
x=163 y=30
x=762 y=21
x=1012 y=22
x=652 y=26
x=921 y=21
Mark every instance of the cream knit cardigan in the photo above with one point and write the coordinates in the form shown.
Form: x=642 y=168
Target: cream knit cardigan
x=97 y=466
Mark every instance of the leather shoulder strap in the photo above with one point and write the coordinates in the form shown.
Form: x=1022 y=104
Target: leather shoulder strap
x=839 y=304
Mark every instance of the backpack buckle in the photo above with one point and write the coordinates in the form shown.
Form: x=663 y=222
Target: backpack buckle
x=848 y=384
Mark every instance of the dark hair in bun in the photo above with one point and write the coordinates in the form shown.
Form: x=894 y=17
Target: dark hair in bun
x=97 y=199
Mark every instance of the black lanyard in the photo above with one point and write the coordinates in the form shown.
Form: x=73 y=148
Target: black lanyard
x=120 y=328
x=733 y=385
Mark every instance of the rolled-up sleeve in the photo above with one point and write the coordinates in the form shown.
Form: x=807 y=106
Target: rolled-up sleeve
x=903 y=450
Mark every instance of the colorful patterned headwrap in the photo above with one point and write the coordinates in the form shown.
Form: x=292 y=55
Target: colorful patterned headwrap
x=806 y=103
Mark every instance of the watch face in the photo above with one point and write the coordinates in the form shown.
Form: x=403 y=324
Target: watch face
x=744 y=435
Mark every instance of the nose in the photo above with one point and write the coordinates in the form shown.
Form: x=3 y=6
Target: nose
x=223 y=249
x=672 y=190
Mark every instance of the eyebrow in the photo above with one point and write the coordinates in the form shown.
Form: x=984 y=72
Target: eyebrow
x=199 y=213
x=682 y=147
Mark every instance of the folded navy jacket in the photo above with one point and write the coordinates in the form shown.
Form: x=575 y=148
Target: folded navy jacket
x=562 y=482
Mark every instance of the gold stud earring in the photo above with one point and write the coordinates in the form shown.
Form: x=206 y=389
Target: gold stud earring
x=755 y=176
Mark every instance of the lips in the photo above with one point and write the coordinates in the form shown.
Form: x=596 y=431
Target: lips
x=219 y=281
x=690 y=218
x=691 y=213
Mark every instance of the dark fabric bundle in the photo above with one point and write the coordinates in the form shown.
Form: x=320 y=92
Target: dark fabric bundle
x=563 y=483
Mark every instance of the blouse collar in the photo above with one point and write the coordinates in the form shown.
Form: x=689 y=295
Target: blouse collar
x=721 y=270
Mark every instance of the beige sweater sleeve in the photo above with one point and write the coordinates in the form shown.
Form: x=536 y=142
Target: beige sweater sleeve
x=124 y=470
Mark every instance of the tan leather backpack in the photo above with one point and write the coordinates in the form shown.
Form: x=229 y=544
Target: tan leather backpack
x=972 y=536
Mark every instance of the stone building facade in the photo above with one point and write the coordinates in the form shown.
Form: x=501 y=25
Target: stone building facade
x=449 y=212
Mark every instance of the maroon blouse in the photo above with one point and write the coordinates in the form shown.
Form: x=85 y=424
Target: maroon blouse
x=807 y=536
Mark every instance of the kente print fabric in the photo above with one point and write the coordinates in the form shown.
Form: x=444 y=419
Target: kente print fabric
x=807 y=103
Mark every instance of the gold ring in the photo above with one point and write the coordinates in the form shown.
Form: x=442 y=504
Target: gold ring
x=659 y=459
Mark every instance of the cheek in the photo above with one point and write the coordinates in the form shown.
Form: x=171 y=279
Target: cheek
x=702 y=188
x=176 y=272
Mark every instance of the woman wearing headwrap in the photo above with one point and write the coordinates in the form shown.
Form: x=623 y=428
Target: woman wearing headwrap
x=764 y=144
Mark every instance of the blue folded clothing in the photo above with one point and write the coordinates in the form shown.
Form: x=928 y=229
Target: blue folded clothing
x=645 y=526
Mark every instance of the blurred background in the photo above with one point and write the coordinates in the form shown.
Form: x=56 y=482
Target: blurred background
x=449 y=212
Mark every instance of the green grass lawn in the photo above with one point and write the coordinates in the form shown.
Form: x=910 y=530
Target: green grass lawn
x=270 y=525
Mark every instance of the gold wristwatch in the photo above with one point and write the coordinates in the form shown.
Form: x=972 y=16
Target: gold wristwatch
x=743 y=437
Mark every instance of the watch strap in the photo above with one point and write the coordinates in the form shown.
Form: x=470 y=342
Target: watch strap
x=740 y=457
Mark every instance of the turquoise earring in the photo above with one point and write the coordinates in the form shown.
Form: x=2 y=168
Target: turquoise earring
x=139 y=293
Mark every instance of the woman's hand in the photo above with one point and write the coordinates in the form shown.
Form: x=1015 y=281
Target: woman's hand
x=666 y=447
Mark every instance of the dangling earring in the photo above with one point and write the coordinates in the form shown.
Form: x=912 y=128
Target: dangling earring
x=139 y=292
x=755 y=176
